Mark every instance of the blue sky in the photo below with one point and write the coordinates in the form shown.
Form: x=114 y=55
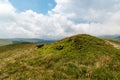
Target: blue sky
x=39 y=6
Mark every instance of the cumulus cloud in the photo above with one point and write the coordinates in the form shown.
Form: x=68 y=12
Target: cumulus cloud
x=96 y=17
x=87 y=9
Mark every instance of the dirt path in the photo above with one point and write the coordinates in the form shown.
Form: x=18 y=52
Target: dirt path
x=113 y=44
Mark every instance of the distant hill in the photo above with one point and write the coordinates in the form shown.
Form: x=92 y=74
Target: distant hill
x=113 y=37
x=79 y=57
x=5 y=42
x=38 y=41
x=19 y=40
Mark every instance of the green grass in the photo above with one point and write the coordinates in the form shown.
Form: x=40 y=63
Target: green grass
x=80 y=57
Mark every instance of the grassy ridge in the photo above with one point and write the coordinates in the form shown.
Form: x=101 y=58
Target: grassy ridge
x=82 y=57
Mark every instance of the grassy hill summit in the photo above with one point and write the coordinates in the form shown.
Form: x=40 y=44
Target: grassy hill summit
x=79 y=57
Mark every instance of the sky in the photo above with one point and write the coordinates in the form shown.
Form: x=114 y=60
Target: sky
x=39 y=6
x=54 y=19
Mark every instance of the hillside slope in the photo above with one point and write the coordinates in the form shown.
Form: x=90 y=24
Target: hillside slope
x=81 y=57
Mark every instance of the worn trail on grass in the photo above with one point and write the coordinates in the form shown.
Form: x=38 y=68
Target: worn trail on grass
x=113 y=44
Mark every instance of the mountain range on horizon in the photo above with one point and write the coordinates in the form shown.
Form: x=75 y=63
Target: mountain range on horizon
x=20 y=40
x=42 y=41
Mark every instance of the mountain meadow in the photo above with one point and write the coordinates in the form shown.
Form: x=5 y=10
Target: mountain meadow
x=79 y=57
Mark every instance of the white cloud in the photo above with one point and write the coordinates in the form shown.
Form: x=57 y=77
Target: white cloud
x=6 y=7
x=67 y=18
x=87 y=9
x=104 y=15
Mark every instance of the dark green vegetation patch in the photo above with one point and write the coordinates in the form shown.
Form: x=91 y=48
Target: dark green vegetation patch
x=59 y=47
